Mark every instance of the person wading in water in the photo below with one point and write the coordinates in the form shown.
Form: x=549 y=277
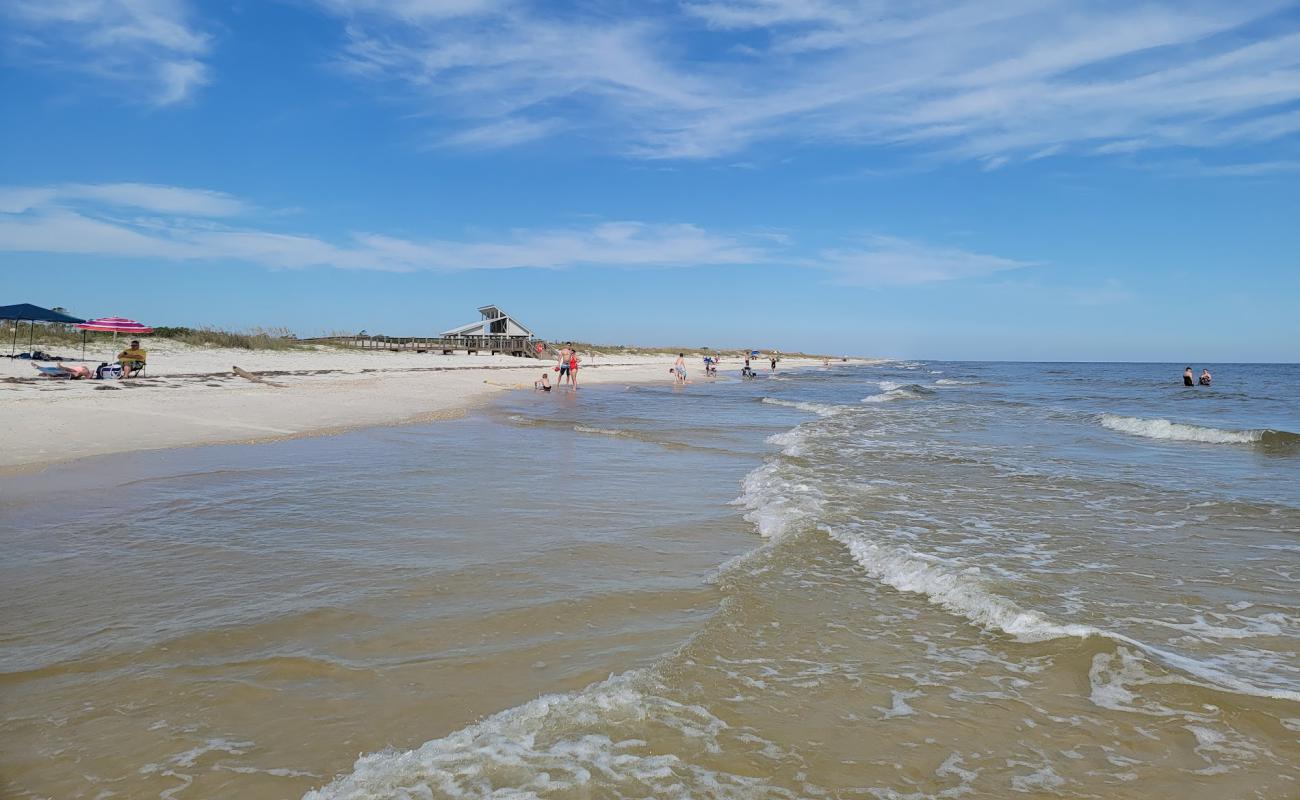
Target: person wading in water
x=562 y=366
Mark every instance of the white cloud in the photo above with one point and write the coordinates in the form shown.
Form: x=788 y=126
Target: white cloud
x=148 y=44
x=103 y=220
x=413 y=10
x=890 y=261
x=991 y=82
x=135 y=220
x=138 y=196
x=503 y=133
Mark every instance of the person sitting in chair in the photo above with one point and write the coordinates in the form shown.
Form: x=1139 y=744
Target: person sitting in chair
x=132 y=359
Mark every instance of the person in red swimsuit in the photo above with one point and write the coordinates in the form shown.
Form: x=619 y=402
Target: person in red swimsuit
x=573 y=368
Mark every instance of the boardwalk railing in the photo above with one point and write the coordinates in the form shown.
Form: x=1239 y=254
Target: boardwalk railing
x=522 y=346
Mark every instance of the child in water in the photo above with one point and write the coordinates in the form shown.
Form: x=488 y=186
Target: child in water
x=543 y=385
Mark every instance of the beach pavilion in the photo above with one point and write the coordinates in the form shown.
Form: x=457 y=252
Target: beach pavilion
x=495 y=332
x=494 y=322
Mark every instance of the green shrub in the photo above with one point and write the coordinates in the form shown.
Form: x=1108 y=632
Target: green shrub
x=253 y=339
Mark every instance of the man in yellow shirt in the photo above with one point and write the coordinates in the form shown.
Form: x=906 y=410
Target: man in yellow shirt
x=132 y=359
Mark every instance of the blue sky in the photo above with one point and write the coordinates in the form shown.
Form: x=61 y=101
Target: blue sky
x=1013 y=180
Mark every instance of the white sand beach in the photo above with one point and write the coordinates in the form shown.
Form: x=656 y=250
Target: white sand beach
x=191 y=396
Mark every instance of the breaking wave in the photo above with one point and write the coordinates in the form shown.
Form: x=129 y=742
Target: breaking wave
x=897 y=391
x=562 y=745
x=780 y=501
x=954 y=588
x=820 y=409
x=1185 y=432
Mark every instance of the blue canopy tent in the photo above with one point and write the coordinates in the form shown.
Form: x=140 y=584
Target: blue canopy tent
x=26 y=312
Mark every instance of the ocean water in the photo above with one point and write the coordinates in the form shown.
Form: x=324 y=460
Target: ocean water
x=909 y=580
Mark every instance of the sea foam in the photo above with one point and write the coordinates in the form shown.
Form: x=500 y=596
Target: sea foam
x=558 y=745
x=777 y=505
x=601 y=431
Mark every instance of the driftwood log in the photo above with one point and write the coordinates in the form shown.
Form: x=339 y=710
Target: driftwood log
x=243 y=373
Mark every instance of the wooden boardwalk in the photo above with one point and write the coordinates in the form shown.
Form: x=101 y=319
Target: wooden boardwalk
x=521 y=346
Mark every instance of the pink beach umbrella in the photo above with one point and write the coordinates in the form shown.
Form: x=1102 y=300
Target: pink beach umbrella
x=116 y=325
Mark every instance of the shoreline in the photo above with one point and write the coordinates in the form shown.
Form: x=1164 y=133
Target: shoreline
x=296 y=395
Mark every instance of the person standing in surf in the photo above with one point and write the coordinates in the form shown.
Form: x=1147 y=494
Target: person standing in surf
x=573 y=368
x=1187 y=377
x=1206 y=378
x=562 y=366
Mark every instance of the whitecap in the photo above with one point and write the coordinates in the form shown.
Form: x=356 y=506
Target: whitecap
x=1177 y=431
x=820 y=409
x=896 y=391
x=955 y=588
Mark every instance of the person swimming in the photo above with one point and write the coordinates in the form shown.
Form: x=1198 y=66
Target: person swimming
x=1187 y=377
x=1206 y=378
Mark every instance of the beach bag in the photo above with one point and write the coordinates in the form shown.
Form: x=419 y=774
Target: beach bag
x=108 y=371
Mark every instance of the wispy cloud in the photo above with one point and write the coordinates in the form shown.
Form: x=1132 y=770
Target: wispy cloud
x=988 y=82
x=146 y=221
x=501 y=133
x=891 y=261
x=134 y=220
x=148 y=45
x=139 y=196
x=1249 y=169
